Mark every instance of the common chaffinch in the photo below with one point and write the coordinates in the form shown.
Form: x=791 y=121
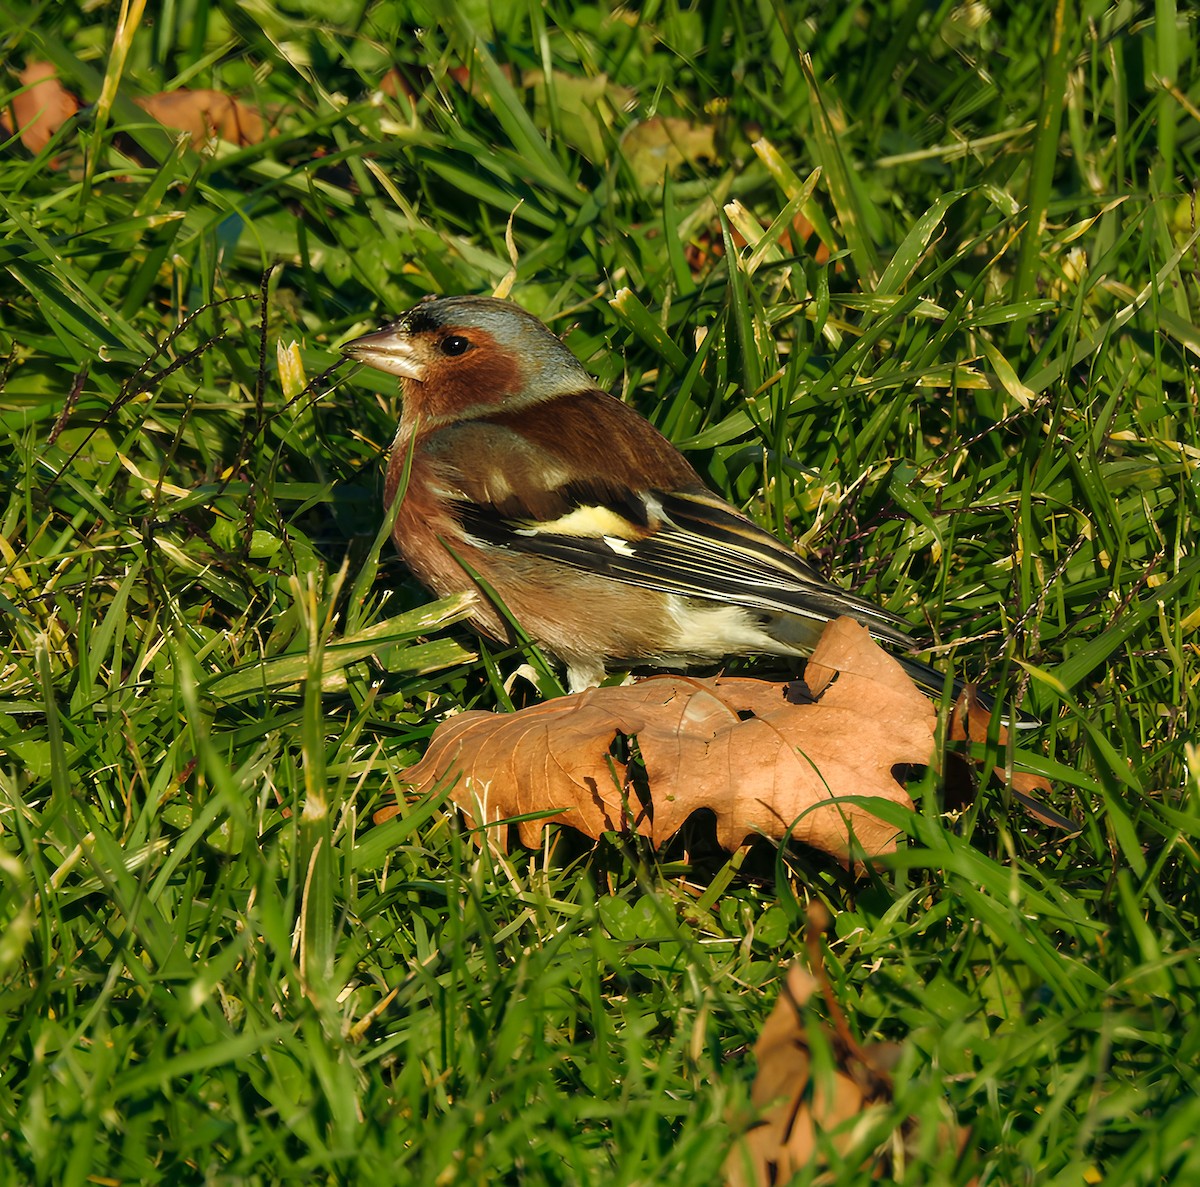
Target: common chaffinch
x=591 y=528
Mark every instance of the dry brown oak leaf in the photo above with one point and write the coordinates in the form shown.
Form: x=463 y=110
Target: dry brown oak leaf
x=732 y=745
x=788 y=1137
x=843 y=1106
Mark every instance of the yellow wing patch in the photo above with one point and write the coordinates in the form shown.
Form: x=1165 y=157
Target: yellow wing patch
x=585 y=522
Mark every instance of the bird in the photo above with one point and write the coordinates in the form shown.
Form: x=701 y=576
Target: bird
x=523 y=482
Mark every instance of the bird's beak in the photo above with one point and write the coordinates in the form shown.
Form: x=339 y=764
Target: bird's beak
x=390 y=350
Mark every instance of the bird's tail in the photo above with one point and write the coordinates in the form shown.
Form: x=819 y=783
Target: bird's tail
x=933 y=682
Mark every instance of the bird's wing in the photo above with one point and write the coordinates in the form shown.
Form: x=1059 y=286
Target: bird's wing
x=691 y=544
x=584 y=480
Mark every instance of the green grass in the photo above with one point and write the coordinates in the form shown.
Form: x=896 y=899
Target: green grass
x=982 y=410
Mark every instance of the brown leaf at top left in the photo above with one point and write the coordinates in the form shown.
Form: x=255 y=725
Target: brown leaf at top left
x=41 y=108
x=45 y=105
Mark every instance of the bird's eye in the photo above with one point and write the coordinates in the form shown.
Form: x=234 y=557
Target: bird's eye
x=454 y=344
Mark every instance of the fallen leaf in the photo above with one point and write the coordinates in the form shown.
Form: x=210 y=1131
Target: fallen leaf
x=735 y=746
x=585 y=107
x=969 y=722
x=840 y=1107
x=41 y=109
x=798 y=1108
x=205 y=115
x=664 y=143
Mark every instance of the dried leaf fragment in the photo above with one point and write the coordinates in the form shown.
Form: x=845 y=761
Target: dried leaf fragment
x=40 y=110
x=205 y=115
x=969 y=722
x=45 y=105
x=663 y=144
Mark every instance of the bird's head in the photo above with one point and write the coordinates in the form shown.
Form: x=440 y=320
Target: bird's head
x=462 y=357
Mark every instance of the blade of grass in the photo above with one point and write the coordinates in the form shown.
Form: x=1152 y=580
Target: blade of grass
x=1045 y=148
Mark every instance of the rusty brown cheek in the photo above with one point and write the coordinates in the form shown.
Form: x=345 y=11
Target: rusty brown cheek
x=486 y=375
